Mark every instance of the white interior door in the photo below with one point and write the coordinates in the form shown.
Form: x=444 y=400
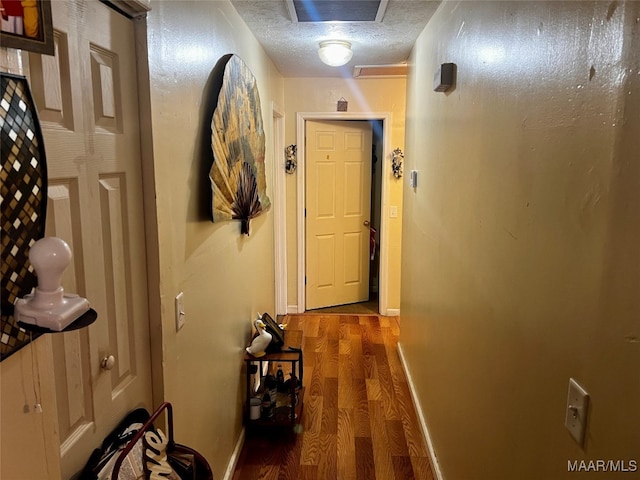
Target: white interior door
x=338 y=209
x=87 y=100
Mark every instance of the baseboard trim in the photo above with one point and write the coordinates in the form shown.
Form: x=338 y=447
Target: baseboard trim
x=235 y=456
x=421 y=419
x=393 y=312
x=292 y=309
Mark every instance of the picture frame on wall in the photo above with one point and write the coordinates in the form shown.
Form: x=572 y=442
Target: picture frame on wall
x=27 y=25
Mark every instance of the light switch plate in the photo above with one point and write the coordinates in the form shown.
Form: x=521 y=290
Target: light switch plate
x=180 y=315
x=576 y=412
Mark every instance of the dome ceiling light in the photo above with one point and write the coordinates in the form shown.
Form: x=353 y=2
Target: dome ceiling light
x=335 y=52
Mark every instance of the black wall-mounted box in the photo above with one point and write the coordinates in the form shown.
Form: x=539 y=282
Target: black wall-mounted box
x=444 y=77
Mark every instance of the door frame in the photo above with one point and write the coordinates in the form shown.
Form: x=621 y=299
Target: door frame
x=301 y=132
x=280 y=211
x=137 y=11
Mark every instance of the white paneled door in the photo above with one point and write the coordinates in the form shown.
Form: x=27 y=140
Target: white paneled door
x=87 y=101
x=338 y=208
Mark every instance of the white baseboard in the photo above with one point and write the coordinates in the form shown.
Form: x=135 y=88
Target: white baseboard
x=235 y=456
x=423 y=423
x=393 y=312
x=292 y=309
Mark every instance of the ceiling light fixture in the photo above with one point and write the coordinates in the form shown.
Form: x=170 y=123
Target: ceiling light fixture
x=335 y=52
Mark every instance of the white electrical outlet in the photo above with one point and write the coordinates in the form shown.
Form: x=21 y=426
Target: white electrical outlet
x=180 y=315
x=393 y=211
x=577 y=410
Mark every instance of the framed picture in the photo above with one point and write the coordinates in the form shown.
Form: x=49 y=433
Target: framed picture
x=26 y=24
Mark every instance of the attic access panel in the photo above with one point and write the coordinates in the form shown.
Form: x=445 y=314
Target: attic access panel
x=306 y=11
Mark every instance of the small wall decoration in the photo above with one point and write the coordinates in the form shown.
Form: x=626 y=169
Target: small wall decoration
x=397 y=158
x=23 y=190
x=342 y=105
x=237 y=139
x=27 y=25
x=291 y=160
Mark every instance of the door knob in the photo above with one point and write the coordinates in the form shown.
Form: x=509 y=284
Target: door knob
x=366 y=223
x=107 y=363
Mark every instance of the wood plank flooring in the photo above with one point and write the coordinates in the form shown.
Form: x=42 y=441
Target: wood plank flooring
x=358 y=420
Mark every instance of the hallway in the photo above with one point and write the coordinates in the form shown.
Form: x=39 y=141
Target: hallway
x=358 y=421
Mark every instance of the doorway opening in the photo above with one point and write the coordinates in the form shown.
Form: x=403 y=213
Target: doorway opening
x=381 y=149
x=370 y=304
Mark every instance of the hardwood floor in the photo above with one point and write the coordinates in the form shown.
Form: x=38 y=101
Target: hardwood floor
x=358 y=420
x=370 y=307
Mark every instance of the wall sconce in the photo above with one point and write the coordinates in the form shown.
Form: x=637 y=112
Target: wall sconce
x=397 y=158
x=291 y=161
x=48 y=306
x=335 y=52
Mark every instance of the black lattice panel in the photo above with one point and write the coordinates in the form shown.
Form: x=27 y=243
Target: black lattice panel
x=23 y=195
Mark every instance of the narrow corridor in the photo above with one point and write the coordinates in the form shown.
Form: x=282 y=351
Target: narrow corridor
x=358 y=421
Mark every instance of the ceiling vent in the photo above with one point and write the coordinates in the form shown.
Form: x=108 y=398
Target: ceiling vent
x=317 y=11
x=380 y=71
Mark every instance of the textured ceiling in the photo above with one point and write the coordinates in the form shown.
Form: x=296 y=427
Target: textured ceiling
x=293 y=46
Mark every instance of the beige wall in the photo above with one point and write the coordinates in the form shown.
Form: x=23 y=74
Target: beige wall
x=226 y=278
x=521 y=265
x=363 y=95
x=29 y=444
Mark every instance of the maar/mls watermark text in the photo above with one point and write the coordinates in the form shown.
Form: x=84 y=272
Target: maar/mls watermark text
x=602 y=466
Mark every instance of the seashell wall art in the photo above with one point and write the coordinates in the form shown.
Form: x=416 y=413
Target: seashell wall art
x=237 y=139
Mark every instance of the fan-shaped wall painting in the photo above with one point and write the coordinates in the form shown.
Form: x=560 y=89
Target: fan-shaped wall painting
x=237 y=139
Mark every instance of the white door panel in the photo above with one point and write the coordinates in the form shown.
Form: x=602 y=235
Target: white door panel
x=338 y=207
x=87 y=99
